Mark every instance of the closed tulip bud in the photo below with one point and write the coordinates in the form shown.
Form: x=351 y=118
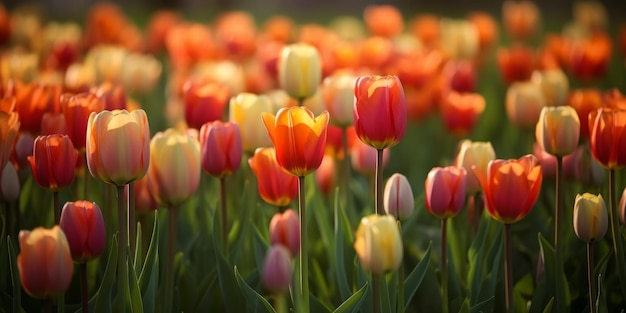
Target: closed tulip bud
x=53 y=161
x=516 y=64
x=9 y=184
x=299 y=138
x=378 y=244
x=174 y=172
x=9 y=127
x=558 y=130
x=511 y=187
x=118 y=146
x=590 y=217
x=44 y=262
x=53 y=124
x=554 y=85
x=221 y=150
x=285 y=230
x=474 y=154
x=521 y=18
x=83 y=225
x=460 y=112
x=445 y=191
x=379 y=110
x=245 y=111
x=398 y=197
x=299 y=70
x=585 y=101
x=338 y=94
x=606 y=134
x=277 y=271
x=205 y=101
x=524 y=102
x=77 y=110
x=275 y=186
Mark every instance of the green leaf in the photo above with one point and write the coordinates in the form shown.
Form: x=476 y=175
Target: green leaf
x=254 y=299
x=548 y=308
x=340 y=234
x=317 y=305
x=149 y=276
x=103 y=302
x=413 y=281
x=133 y=294
x=206 y=291
x=354 y=302
x=15 y=277
x=260 y=247
x=544 y=294
x=465 y=306
x=484 y=306
x=229 y=288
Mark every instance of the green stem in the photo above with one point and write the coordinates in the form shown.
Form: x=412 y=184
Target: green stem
x=379 y=182
x=400 y=304
x=61 y=303
x=132 y=223
x=558 y=246
x=616 y=232
x=171 y=246
x=508 y=268
x=376 y=292
x=84 y=295
x=57 y=208
x=304 y=261
x=224 y=216
x=46 y=305
x=344 y=178
x=592 y=278
x=444 y=267
x=122 y=272
x=280 y=303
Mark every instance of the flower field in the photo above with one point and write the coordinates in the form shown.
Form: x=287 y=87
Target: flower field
x=387 y=162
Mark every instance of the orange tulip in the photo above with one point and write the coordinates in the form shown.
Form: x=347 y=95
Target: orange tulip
x=383 y=20
x=118 y=146
x=590 y=59
x=275 y=186
x=174 y=171
x=52 y=123
x=221 y=148
x=445 y=191
x=45 y=263
x=585 y=101
x=299 y=138
x=520 y=18
x=53 y=161
x=608 y=137
x=9 y=126
x=204 y=102
x=511 y=187
x=76 y=110
x=379 y=110
x=516 y=63
x=460 y=112
x=83 y=225
x=32 y=101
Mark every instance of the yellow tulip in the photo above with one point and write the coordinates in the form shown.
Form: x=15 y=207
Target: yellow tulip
x=378 y=243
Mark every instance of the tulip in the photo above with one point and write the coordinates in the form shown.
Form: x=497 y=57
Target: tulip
x=607 y=137
x=77 y=110
x=9 y=126
x=174 y=171
x=511 y=187
x=363 y=157
x=524 y=102
x=299 y=70
x=460 y=112
x=378 y=244
x=383 y=20
x=118 y=146
x=275 y=186
x=285 y=230
x=459 y=38
x=516 y=64
x=221 y=148
x=325 y=177
x=113 y=95
x=521 y=18
x=246 y=110
x=44 y=262
x=585 y=101
x=474 y=154
x=554 y=85
x=277 y=271
x=558 y=130
x=299 y=138
x=53 y=124
x=590 y=58
x=53 y=161
x=144 y=200
x=445 y=191
x=590 y=217
x=83 y=225
x=22 y=149
x=205 y=101
x=9 y=184
x=338 y=94
x=379 y=110
x=32 y=101
x=399 y=201
x=547 y=161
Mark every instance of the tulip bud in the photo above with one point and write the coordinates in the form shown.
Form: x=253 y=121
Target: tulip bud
x=590 y=217
x=221 y=148
x=474 y=154
x=9 y=184
x=325 y=174
x=277 y=271
x=44 y=262
x=398 y=197
x=554 y=85
x=245 y=109
x=338 y=94
x=445 y=191
x=83 y=225
x=558 y=130
x=53 y=161
x=524 y=101
x=285 y=230
x=299 y=70
x=378 y=243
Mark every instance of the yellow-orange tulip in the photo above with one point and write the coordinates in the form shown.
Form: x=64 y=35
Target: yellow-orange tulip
x=591 y=219
x=246 y=110
x=45 y=263
x=9 y=126
x=474 y=154
x=299 y=138
x=174 y=171
x=118 y=146
x=558 y=130
x=275 y=186
x=608 y=137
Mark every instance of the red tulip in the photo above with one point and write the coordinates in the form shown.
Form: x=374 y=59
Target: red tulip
x=285 y=230
x=607 y=128
x=221 y=148
x=275 y=186
x=83 y=226
x=53 y=161
x=204 y=102
x=76 y=111
x=445 y=191
x=379 y=110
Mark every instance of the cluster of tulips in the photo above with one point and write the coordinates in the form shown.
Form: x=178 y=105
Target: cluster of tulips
x=293 y=110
